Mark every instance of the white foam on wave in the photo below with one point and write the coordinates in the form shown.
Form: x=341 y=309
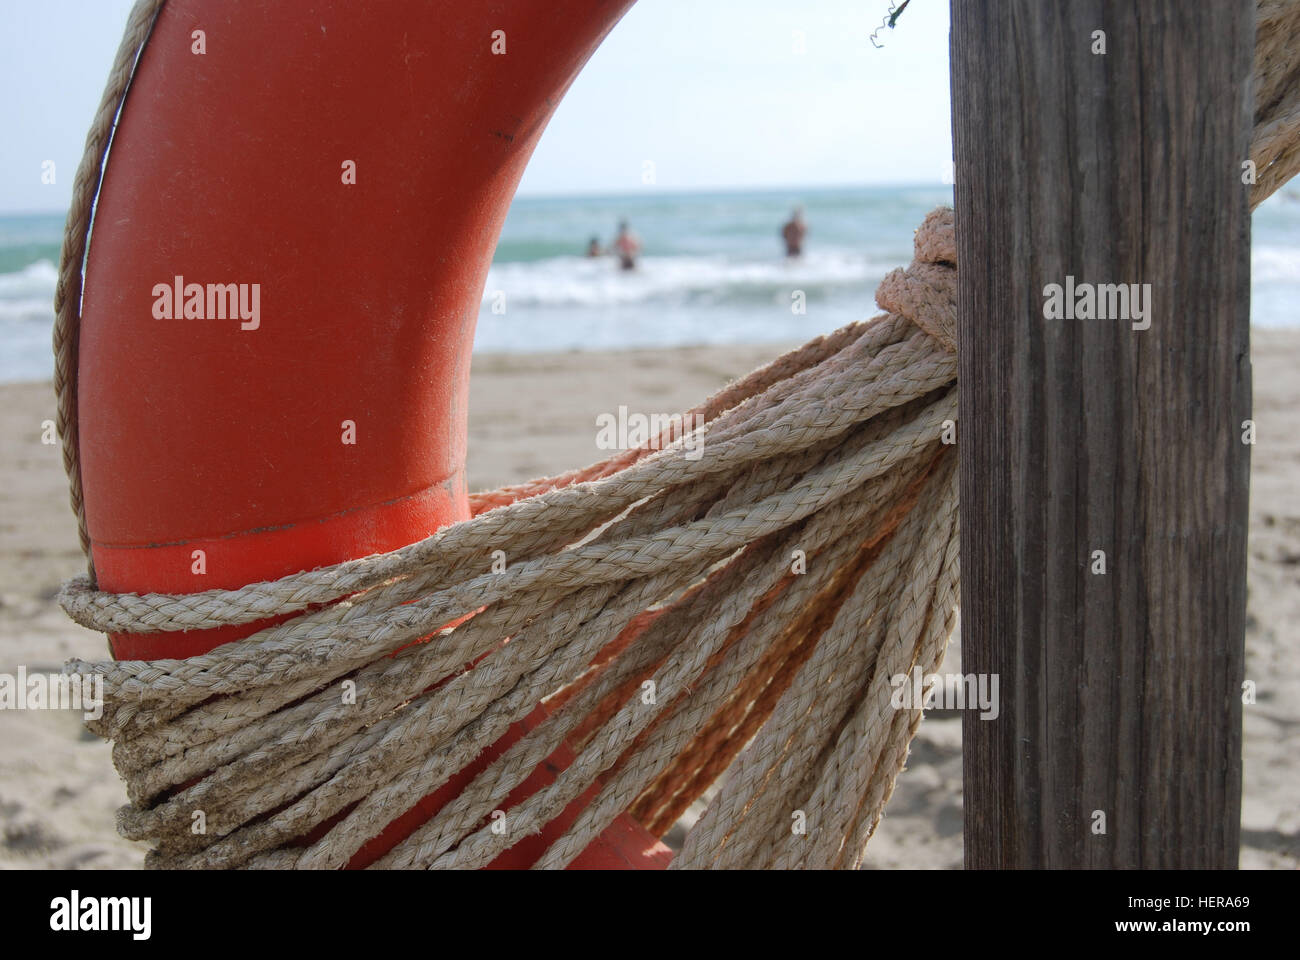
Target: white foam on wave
x=36 y=281
x=1270 y=264
x=583 y=282
x=568 y=303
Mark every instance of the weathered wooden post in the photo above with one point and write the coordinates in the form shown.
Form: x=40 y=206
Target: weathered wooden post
x=1101 y=142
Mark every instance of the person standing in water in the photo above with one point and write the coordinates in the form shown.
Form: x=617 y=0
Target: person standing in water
x=593 y=248
x=793 y=233
x=627 y=246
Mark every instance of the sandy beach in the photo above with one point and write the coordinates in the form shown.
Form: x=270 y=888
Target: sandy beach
x=533 y=415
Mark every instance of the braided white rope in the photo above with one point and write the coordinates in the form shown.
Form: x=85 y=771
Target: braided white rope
x=823 y=451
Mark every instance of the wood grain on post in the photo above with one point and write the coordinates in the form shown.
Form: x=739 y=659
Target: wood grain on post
x=1120 y=691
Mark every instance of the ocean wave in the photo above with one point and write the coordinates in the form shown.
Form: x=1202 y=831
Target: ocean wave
x=1270 y=264
x=571 y=302
x=33 y=282
x=583 y=282
x=16 y=312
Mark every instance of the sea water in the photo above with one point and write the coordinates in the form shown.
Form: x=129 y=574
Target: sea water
x=713 y=270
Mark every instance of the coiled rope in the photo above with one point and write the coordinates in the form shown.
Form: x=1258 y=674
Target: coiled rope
x=651 y=566
x=768 y=590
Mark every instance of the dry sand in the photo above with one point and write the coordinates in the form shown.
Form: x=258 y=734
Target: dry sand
x=535 y=415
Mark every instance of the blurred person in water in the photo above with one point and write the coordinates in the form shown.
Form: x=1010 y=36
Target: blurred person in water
x=793 y=233
x=627 y=245
x=594 y=248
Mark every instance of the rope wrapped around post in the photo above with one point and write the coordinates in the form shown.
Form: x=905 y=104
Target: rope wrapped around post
x=649 y=566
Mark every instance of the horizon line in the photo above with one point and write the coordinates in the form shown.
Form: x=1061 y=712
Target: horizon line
x=631 y=192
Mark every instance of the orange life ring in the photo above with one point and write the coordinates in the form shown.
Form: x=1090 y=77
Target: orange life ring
x=290 y=245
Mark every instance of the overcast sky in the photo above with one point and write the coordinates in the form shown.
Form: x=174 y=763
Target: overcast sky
x=714 y=92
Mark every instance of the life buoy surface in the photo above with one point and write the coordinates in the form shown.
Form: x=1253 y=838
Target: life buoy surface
x=289 y=249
